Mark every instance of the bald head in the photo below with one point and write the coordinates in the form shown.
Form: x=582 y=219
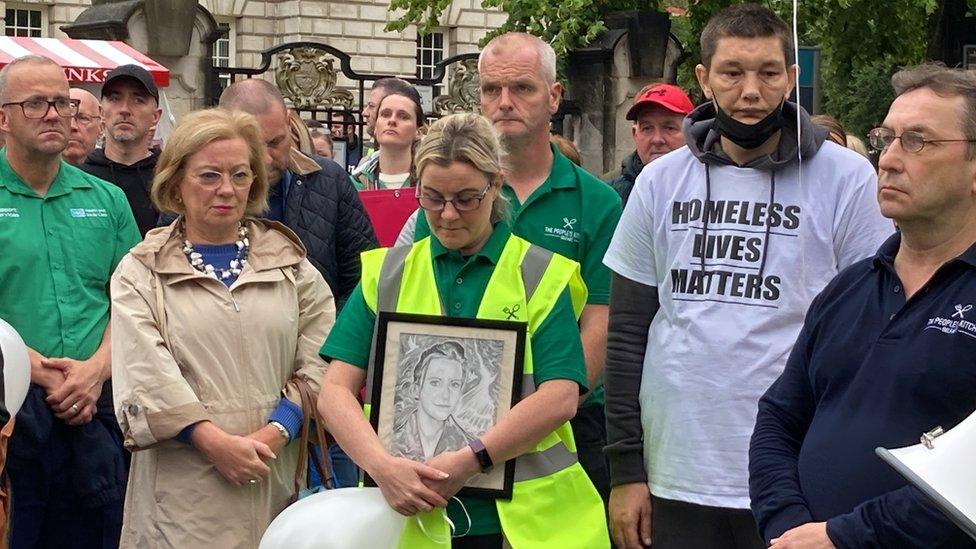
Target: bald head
x=85 y=127
x=254 y=96
x=511 y=43
x=88 y=103
x=263 y=100
x=40 y=137
x=32 y=60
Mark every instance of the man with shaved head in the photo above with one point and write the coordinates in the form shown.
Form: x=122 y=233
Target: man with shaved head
x=86 y=126
x=555 y=204
x=62 y=232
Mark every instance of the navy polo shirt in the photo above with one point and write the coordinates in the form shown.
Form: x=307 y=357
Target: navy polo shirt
x=869 y=369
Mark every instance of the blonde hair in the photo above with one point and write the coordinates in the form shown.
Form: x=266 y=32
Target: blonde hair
x=194 y=132
x=857 y=145
x=469 y=138
x=566 y=147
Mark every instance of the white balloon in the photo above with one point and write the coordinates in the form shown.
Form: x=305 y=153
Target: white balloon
x=346 y=518
x=16 y=368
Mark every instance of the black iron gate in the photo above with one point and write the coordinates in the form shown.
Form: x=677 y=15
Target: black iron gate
x=307 y=75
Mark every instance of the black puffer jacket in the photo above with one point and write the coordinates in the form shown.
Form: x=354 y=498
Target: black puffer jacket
x=324 y=210
x=623 y=181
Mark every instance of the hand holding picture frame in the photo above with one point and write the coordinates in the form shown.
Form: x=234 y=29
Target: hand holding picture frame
x=440 y=382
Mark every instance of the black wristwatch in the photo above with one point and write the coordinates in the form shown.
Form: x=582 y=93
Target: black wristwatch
x=481 y=453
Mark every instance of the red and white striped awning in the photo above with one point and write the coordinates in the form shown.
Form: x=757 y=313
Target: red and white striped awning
x=84 y=61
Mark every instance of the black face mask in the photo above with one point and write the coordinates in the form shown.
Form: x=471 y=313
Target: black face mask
x=748 y=136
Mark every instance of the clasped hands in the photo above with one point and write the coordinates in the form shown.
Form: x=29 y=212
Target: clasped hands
x=241 y=460
x=72 y=386
x=411 y=487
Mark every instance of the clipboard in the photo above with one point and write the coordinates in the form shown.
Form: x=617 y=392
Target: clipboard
x=388 y=211
x=941 y=467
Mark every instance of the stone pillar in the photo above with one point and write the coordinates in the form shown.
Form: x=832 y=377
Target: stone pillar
x=590 y=87
x=603 y=78
x=182 y=37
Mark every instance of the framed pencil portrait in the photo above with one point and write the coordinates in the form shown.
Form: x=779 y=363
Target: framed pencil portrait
x=440 y=382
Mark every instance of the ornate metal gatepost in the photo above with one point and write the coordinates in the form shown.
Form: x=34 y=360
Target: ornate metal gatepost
x=463 y=90
x=307 y=77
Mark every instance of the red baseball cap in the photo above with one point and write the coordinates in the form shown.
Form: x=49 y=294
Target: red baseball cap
x=664 y=95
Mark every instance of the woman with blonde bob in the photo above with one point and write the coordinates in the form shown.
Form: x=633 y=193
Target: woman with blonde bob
x=215 y=318
x=473 y=267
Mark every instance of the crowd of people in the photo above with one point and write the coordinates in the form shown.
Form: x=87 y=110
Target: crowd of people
x=718 y=334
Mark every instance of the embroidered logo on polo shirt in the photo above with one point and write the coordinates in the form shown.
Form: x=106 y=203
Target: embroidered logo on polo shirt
x=87 y=212
x=9 y=212
x=956 y=323
x=567 y=232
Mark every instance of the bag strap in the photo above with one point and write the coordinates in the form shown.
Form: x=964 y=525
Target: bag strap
x=312 y=435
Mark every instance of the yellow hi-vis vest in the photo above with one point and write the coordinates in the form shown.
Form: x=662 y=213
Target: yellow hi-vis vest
x=553 y=503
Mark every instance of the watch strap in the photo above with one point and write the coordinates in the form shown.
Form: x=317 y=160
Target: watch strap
x=281 y=429
x=481 y=454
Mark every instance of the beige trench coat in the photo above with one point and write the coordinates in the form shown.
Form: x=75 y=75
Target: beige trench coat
x=227 y=357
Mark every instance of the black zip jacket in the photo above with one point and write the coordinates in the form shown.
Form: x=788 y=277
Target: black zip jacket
x=135 y=181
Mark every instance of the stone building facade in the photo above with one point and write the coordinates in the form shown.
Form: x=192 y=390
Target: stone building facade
x=356 y=27
x=603 y=91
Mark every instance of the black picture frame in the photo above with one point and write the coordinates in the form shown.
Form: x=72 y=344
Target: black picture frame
x=394 y=384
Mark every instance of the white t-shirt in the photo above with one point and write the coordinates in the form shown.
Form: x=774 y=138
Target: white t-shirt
x=721 y=338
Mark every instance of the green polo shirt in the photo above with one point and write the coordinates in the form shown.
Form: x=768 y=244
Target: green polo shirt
x=58 y=255
x=573 y=214
x=557 y=352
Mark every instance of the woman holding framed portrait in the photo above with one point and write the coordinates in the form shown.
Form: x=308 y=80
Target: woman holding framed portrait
x=472 y=278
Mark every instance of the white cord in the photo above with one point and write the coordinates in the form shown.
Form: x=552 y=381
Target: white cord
x=799 y=142
x=450 y=525
x=796 y=59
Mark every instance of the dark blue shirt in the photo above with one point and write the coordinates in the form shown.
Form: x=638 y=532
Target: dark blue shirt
x=869 y=369
x=277 y=194
x=219 y=256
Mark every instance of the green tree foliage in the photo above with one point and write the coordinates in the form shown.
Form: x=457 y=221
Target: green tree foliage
x=862 y=43
x=566 y=24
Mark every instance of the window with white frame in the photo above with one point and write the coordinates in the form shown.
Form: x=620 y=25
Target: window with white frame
x=22 y=20
x=430 y=51
x=223 y=50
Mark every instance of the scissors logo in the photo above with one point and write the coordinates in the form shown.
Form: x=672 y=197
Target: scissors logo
x=511 y=312
x=960 y=310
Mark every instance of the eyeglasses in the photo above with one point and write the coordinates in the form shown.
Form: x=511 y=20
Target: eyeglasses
x=460 y=203
x=912 y=142
x=213 y=179
x=38 y=108
x=86 y=119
